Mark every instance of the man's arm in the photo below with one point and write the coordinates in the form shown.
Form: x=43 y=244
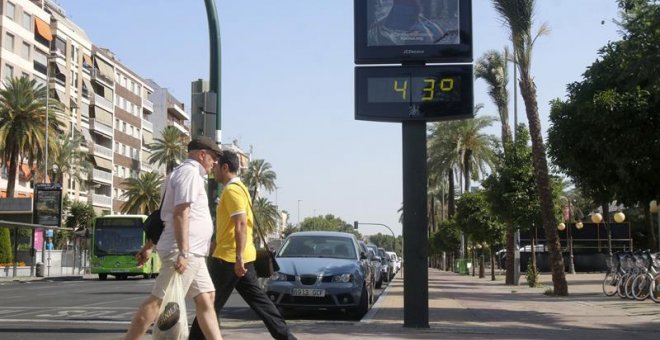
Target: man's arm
x=240 y=232
x=144 y=254
x=180 y=223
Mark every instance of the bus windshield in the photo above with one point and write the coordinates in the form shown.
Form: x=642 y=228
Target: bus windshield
x=118 y=236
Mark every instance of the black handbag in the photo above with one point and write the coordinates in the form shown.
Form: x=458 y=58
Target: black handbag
x=153 y=226
x=265 y=265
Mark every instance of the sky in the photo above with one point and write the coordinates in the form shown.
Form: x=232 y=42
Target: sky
x=287 y=85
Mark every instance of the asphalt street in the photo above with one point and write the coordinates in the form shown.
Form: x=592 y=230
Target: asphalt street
x=92 y=309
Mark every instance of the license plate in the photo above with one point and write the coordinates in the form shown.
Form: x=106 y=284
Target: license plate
x=308 y=292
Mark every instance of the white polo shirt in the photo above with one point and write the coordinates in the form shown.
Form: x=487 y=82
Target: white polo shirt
x=187 y=184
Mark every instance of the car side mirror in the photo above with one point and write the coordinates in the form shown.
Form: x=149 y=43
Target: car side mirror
x=363 y=256
x=377 y=258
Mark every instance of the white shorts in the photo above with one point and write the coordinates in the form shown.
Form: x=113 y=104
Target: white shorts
x=196 y=279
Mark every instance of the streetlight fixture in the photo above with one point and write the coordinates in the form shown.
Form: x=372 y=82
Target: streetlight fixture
x=619 y=217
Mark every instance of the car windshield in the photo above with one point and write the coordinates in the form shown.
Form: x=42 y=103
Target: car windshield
x=318 y=246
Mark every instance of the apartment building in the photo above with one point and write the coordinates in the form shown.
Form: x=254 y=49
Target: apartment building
x=108 y=104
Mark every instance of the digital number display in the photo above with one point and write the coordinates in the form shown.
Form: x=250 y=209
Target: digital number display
x=413 y=89
x=400 y=93
x=119 y=222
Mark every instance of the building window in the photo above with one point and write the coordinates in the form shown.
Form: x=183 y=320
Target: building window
x=9 y=42
x=25 y=51
x=27 y=21
x=8 y=71
x=11 y=10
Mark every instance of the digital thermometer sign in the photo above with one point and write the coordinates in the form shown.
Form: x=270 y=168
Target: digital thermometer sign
x=441 y=92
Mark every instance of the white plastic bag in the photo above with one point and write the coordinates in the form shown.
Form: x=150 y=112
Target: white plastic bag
x=172 y=320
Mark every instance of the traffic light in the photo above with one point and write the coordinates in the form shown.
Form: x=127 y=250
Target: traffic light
x=355 y=224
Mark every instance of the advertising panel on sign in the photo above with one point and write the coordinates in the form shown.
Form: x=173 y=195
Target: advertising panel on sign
x=401 y=31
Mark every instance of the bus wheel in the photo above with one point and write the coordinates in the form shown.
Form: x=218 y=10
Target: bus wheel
x=146 y=276
x=103 y=277
x=154 y=275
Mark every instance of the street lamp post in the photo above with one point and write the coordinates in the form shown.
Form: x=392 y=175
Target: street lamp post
x=619 y=217
x=655 y=208
x=568 y=216
x=299 y=214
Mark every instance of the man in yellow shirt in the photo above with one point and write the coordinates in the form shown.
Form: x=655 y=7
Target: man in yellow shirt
x=232 y=263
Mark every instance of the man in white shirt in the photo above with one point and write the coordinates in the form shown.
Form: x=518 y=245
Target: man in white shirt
x=185 y=241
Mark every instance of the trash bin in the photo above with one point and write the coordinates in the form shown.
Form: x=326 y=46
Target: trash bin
x=463 y=266
x=40 y=269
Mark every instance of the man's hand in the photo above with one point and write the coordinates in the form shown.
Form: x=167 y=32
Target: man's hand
x=181 y=264
x=239 y=268
x=143 y=256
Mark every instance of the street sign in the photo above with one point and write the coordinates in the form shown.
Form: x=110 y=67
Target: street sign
x=404 y=93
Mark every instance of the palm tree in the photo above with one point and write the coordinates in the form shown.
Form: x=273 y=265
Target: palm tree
x=169 y=150
x=492 y=67
x=23 y=107
x=459 y=146
x=266 y=213
x=259 y=174
x=518 y=16
x=142 y=194
x=68 y=159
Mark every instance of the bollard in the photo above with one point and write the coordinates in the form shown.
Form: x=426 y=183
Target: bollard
x=40 y=269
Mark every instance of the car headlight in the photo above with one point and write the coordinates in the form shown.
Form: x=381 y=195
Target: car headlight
x=343 y=278
x=277 y=276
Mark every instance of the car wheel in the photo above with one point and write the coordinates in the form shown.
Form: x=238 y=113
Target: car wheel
x=103 y=277
x=379 y=283
x=358 y=312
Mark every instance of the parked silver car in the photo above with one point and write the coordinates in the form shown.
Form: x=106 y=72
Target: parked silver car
x=322 y=270
x=377 y=263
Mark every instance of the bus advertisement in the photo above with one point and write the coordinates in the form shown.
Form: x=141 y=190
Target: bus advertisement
x=115 y=241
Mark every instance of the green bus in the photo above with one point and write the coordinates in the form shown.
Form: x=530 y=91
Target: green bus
x=115 y=241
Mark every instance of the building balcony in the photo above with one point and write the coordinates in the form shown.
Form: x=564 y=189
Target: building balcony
x=102 y=102
x=102 y=150
x=147 y=125
x=102 y=176
x=147 y=105
x=103 y=78
x=180 y=128
x=177 y=112
x=102 y=201
x=98 y=127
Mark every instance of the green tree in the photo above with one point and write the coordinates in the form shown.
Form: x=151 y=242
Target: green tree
x=606 y=135
x=79 y=218
x=328 y=223
x=460 y=146
x=22 y=124
x=170 y=149
x=67 y=158
x=266 y=213
x=518 y=16
x=259 y=174
x=388 y=242
x=142 y=194
x=5 y=246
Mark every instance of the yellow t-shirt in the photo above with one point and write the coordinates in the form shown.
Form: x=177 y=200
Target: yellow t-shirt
x=234 y=200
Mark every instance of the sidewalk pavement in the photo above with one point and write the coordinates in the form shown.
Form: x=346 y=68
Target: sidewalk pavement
x=466 y=307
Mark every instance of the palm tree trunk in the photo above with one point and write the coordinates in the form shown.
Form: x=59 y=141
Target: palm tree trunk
x=451 y=209
x=12 y=172
x=528 y=91
x=467 y=169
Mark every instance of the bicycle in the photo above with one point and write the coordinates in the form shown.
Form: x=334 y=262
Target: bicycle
x=613 y=275
x=642 y=282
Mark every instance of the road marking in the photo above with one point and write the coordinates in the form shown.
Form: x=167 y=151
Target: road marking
x=27 y=321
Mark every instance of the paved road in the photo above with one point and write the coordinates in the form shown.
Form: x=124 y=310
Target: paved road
x=93 y=309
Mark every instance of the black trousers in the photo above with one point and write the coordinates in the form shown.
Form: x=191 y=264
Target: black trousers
x=224 y=280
